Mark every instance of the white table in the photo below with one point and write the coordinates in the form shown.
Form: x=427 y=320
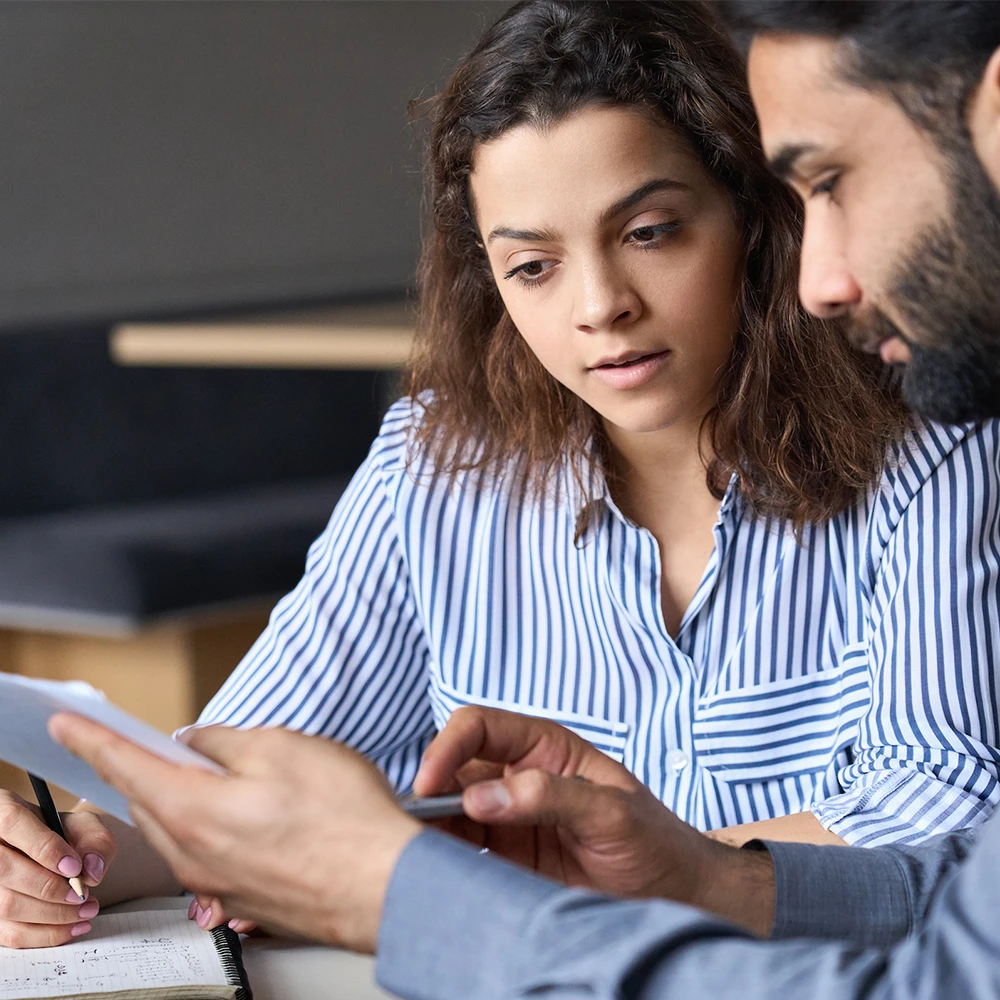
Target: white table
x=288 y=970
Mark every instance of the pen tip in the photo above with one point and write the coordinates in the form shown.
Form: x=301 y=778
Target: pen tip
x=76 y=884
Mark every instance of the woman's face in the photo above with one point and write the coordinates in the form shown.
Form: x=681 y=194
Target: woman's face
x=618 y=259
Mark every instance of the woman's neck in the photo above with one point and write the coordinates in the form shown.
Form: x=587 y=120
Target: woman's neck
x=659 y=482
x=659 y=467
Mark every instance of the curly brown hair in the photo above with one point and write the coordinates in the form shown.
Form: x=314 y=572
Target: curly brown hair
x=801 y=420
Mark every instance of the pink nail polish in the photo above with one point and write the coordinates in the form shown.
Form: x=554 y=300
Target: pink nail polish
x=192 y=908
x=233 y=924
x=72 y=897
x=205 y=918
x=89 y=909
x=79 y=929
x=93 y=865
x=70 y=867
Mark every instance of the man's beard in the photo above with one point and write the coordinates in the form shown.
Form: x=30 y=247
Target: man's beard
x=947 y=293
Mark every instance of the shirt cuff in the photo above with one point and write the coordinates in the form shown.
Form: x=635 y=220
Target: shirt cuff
x=839 y=893
x=454 y=896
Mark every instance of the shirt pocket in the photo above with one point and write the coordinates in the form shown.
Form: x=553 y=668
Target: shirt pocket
x=784 y=729
x=608 y=737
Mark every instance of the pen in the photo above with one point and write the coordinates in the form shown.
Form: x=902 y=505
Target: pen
x=432 y=806
x=51 y=816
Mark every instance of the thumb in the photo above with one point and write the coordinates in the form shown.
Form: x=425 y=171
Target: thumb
x=223 y=744
x=537 y=798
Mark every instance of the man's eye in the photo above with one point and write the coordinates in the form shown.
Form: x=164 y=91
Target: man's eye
x=825 y=187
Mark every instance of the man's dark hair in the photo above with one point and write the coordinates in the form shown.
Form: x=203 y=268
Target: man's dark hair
x=927 y=54
x=929 y=58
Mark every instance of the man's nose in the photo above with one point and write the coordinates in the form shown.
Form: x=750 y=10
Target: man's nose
x=826 y=286
x=605 y=298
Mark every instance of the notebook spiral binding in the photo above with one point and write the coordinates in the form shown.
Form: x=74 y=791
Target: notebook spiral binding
x=227 y=943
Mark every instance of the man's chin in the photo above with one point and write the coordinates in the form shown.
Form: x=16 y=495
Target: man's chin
x=939 y=386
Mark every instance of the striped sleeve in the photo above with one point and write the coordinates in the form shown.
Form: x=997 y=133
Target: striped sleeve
x=344 y=654
x=926 y=758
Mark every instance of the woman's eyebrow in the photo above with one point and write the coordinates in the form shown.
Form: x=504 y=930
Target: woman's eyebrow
x=535 y=235
x=622 y=205
x=633 y=199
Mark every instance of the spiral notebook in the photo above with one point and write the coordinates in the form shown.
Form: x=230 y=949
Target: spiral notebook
x=154 y=953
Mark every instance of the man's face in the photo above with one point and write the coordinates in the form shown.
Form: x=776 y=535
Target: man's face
x=902 y=231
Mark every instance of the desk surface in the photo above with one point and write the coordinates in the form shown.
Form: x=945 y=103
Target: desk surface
x=364 y=337
x=285 y=970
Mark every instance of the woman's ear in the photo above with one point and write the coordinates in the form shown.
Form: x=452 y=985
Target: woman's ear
x=984 y=118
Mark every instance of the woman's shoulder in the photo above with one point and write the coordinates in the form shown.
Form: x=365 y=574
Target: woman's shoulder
x=411 y=462
x=397 y=447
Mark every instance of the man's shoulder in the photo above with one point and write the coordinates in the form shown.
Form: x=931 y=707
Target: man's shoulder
x=934 y=458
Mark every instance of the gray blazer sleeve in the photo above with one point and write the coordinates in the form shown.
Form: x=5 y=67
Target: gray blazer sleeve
x=458 y=925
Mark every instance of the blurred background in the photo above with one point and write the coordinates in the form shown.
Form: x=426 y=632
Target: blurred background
x=209 y=223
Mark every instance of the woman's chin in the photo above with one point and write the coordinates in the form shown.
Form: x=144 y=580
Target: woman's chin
x=640 y=420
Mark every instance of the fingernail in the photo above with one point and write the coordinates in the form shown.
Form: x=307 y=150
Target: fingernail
x=192 y=908
x=89 y=909
x=233 y=924
x=93 y=865
x=490 y=796
x=72 y=897
x=70 y=867
x=79 y=929
x=205 y=918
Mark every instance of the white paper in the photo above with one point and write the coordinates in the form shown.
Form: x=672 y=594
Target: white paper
x=26 y=706
x=127 y=951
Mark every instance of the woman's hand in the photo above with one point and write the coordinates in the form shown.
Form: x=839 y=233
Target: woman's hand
x=38 y=909
x=524 y=798
x=209 y=913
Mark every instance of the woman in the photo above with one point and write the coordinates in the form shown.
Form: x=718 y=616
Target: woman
x=634 y=489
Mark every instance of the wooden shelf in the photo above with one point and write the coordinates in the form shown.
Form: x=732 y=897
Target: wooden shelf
x=358 y=337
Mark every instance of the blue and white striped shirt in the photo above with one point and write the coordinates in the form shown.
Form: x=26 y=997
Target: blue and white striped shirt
x=853 y=674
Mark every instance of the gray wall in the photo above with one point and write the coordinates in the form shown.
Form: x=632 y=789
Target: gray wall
x=161 y=156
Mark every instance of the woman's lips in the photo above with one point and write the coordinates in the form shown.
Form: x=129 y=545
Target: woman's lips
x=632 y=373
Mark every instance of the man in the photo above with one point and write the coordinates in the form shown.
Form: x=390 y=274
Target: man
x=885 y=118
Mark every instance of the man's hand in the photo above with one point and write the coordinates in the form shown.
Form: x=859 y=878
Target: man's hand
x=301 y=834
x=608 y=832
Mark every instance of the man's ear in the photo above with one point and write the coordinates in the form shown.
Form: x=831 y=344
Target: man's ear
x=984 y=118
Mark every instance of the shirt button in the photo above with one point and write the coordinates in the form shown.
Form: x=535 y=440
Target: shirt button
x=677 y=760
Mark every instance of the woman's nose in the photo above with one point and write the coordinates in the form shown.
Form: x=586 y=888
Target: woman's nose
x=604 y=299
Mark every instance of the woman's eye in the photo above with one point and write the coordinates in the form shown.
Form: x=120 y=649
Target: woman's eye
x=530 y=272
x=644 y=235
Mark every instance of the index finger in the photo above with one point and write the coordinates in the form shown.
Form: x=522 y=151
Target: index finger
x=23 y=830
x=494 y=735
x=143 y=778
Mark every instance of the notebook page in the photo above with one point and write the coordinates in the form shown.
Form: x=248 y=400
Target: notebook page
x=124 y=951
